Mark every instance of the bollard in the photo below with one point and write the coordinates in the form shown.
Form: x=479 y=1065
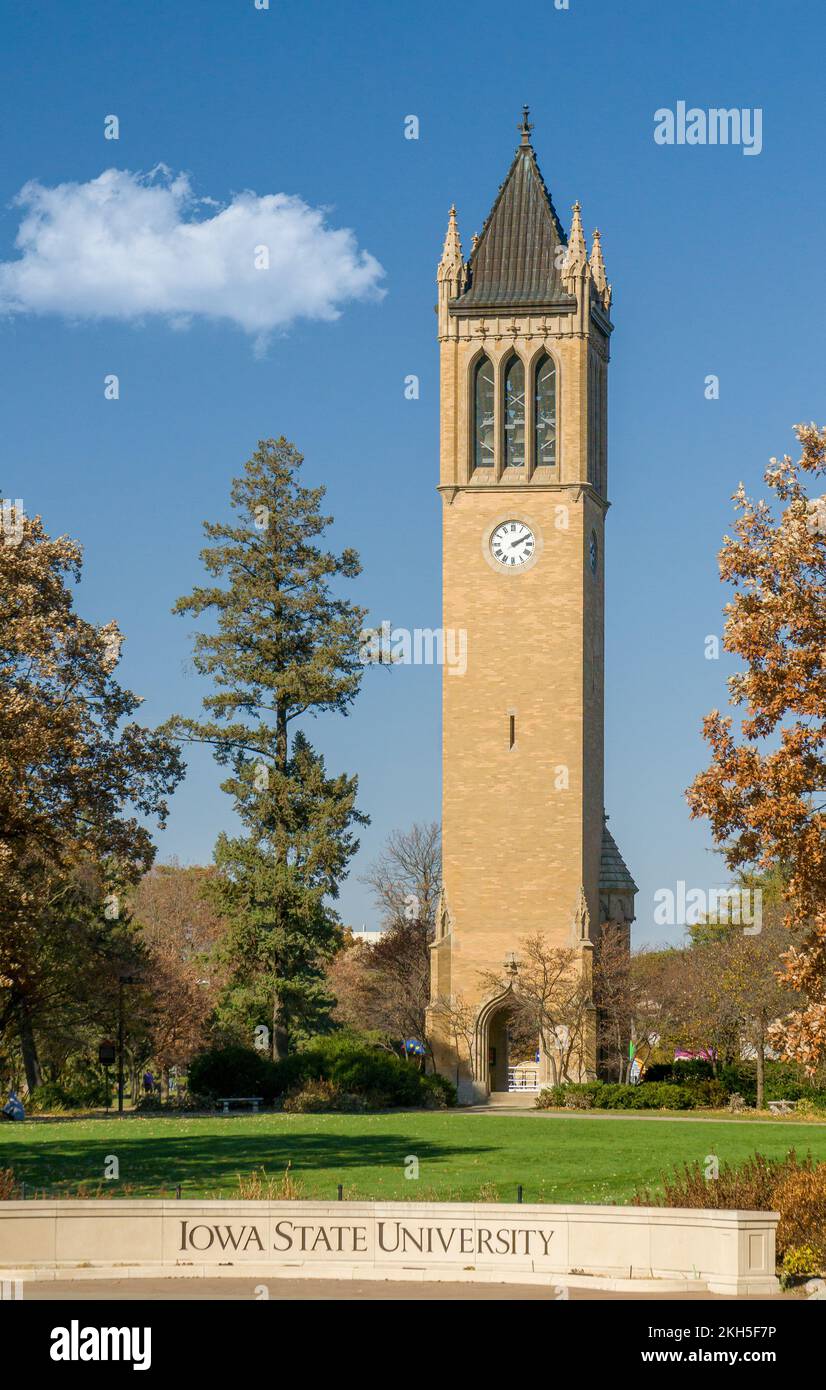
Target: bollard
x=519 y=1192
x=178 y=1192
x=23 y=1191
x=341 y=1192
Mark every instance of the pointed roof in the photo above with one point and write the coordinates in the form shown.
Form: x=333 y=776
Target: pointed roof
x=613 y=870
x=576 y=257
x=597 y=268
x=514 y=262
x=597 y=263
x=452 y=263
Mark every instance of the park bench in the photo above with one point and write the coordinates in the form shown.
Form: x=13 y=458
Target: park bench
x=226 y=1101
x=782 y=1107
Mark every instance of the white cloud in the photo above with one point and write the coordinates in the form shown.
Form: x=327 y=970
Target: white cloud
x=127 y=246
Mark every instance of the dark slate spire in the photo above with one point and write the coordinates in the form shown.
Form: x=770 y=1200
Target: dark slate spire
x=613 y=870
x=513 y=264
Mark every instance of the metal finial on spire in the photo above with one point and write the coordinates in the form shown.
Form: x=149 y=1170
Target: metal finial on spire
x=525 y=128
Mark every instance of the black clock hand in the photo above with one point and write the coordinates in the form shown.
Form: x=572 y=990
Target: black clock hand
x=519 y=541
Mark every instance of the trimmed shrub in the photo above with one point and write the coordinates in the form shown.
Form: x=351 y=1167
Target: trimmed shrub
x=232 y=1071
x=352 y=1066
x=49 y=1095
x=385 y=1079
x=579 y=1100
x=182 y=1102
x=551 y=1098
x=291 y=1072
x=150 y=1105
x=571 y=1095
x=186 y=1101
x=76 y=1093
x=681 y=1073
x=655 y=1095
x=710 y=1094
x=362 y=1068
x=319 y=1098
x=601 y=1095
x=783 y=1081
x=439 y=1093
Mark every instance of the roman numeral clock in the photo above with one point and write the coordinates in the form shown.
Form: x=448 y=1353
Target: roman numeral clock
x=524 y=327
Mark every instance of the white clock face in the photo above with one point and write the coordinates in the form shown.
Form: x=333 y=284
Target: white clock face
x=512 y=544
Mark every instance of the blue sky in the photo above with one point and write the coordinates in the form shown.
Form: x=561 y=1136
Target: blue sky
x=715 y=258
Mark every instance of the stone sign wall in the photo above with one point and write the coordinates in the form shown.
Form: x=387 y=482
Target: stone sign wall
x=724 y=1251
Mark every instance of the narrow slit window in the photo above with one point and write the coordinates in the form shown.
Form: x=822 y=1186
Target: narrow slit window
x=515 y=414
x=483 y=418
x=545 y=413
x=511 y=730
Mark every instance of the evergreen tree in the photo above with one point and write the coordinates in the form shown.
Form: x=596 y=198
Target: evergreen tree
x=284 y=645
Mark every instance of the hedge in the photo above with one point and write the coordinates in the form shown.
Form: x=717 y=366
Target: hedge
x=352 y=1066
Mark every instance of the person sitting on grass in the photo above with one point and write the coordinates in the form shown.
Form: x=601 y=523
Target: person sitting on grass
x=13 y=1109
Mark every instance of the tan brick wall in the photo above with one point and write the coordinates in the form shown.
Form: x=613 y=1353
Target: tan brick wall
x=517 y=848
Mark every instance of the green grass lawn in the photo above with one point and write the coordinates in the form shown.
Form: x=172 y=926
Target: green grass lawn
x=556 y=1159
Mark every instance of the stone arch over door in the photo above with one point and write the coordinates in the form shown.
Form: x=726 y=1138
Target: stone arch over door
x=490 y=1049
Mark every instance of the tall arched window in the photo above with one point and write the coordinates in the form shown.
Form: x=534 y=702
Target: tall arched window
x=514 y=454
x=545 y=412
x=483 y=399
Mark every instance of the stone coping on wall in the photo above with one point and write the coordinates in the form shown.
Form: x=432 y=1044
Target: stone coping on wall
x=609 y=1247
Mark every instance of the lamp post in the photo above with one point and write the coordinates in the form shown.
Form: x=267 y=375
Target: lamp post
x=122 y=980
x=107 y=1052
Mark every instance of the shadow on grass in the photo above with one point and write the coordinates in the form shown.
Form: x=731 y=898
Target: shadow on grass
x=204 y=1163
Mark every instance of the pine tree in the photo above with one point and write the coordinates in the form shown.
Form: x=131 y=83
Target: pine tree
x=285 y=645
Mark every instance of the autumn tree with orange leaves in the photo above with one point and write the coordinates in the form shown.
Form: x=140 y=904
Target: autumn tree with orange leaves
x=79 y=778
x=763 y=793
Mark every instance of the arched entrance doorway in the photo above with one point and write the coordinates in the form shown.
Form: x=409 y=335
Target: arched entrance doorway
x=499 y=1043
x=491 y=1043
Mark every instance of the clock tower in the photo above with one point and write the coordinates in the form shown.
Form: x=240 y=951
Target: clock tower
x=524 y=327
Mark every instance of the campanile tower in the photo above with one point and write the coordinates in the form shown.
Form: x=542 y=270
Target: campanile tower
x=524 y=327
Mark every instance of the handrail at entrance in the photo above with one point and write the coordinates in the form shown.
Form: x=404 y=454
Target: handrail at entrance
x=523 y=1078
